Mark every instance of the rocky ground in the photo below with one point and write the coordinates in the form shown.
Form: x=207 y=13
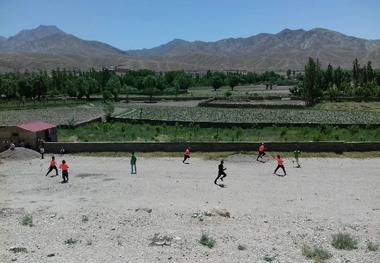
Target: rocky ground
x=107 y=214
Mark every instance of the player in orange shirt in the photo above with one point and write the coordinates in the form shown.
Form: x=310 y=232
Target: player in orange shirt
x=280 y=164
x=65 y=172
x=261 y=152
x=186 y=155
x=53 y=166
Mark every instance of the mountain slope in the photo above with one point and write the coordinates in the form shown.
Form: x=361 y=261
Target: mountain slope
x=47 y=47
x=286 y=41
x=51 y=40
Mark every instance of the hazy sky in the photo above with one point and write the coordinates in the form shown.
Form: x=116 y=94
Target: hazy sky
x=137 y=24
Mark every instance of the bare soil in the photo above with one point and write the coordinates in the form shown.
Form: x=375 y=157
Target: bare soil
x=160 y=213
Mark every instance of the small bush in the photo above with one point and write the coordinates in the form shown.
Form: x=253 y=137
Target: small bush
x=71 y=241
x=19 y=250
x=318 y=254
x=372 y=246
x=158 y=240
x=269 y=259
x=241 y=247
x=84 y=218
x=27 y=220
x=228 y=94
x=344 y=241
x=207 y=241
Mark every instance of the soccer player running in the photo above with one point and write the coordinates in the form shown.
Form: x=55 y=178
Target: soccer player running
x=280 y=164
x=53 y=166
x=221 y=172
x=186 y=155
x=65 y=172
x=261 y=152
x=297 y=154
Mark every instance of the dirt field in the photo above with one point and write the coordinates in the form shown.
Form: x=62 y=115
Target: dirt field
x=113 y=215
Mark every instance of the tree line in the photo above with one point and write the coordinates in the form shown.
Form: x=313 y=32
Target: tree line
x=313 y=83
x=361 y=81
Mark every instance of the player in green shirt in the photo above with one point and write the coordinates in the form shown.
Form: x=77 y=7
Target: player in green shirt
x=297 y=154
x=133 y=163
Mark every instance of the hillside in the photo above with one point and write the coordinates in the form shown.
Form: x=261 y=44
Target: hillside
x=47 y=47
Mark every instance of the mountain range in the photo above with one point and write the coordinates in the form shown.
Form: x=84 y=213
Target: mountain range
x=48 y=47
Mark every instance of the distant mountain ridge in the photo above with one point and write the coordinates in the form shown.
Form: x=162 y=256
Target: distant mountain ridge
x=286 y=41
x=48 y=47
x=52 y=40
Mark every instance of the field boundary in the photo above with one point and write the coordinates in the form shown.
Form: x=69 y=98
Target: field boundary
x=336 y=147
x=237 y=124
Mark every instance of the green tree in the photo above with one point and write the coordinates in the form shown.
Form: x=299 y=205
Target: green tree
x=41 y=85
x=149 y=83
x=233 y=81
x=9 y=86
x=328 y=77
x=182 y=80
x=251 y=78
x=356 y=73
x=216 y=81
x=70 y=88
x=93 y=87
x=312 y=82
x=25 y=87
x=82 y=87
x=114 y=86
x=288 y=74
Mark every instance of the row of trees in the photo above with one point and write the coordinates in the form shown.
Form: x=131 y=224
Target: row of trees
x=314 y=83
x=361 y=81
x=74 y=83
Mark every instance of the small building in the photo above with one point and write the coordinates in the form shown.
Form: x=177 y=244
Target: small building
x=30 y=135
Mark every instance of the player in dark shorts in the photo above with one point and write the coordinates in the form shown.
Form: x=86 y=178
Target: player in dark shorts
x=261 y=152
x=53 y=166
x=221 y=173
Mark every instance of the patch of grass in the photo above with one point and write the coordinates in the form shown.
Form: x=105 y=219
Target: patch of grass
x=207 y=241
x=19 y=250
x=140 y=132
x=241 y=247
x=27 y=220
x=158 y=240
x=349 y=106
x=89 y=242
x=372 y=246
x=71 y=241
x=269 y=259
x=84 y=218
x=344 y=241
x=316 y=253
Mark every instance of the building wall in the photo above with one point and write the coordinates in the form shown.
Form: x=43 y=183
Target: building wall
x=29 y=138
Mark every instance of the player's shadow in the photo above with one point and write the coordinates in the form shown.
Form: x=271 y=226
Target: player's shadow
x=222 y=185
x=280 y=175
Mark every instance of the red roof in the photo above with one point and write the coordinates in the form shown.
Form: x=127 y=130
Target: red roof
x=36 y=126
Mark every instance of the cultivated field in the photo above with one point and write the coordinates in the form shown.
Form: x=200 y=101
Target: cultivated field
x=53 y=115
x=106 y=214
x=248 y=115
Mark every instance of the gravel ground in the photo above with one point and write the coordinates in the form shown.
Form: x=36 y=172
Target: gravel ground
x=114 y=216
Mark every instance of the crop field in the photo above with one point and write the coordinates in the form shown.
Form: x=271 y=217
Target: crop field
x=236 y=115
x=54 y=115
x=239 y=91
